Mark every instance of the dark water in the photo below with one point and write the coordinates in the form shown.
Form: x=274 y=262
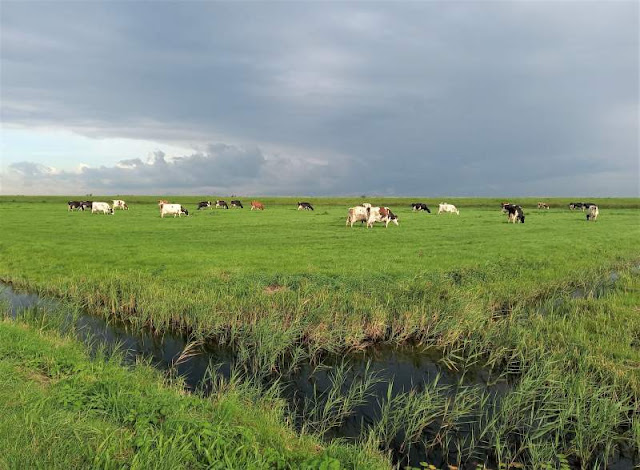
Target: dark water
x=599 y=290
x=406 y=369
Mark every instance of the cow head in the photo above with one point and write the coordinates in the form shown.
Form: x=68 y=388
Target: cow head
x=184 y=210
x=392 y=217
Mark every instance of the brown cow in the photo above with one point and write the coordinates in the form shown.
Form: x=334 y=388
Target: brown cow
x=257 y=205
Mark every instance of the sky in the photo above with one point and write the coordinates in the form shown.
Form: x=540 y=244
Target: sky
x=425 y=98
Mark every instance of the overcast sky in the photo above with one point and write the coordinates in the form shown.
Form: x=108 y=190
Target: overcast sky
x=481 y=98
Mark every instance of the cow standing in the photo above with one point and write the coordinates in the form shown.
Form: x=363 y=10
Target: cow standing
x=120 y=204
x=450 y=208
x=357 y=214
x=236 y=203
x=103 y=207
x=257 y=205
x=204 y=204
x=221 y=204
x=75 y=205
x=172 y=209
x=592 y=213
x=516 y=214
x=381 y=214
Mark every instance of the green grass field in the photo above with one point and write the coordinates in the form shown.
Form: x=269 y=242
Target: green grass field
x=283 y=283
x=220 y=269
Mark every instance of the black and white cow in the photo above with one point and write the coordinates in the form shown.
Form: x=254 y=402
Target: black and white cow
x=420 y=206
x=204 y=204
x=305 y=206
x=75 y=205
x=236 y=203
x=221 y=203
x=516 y=214
x=581 y=205
x=86 y=204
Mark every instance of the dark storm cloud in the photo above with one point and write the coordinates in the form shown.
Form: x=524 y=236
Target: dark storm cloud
x=469 y=98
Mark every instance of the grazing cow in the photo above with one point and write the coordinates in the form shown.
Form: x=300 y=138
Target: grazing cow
x=173 y=209
x=86 y=205
x=101 y=207
x=204 y=204
x=75 y=205
x=516 y=214
x=236 y=203
x=444 y=207
x=120 y=204
x=161 y=202
x=381 y=214
x=257 y=205
x=357 y=214
x=420 y=206
x=593 y=212
x=305 y=206
x=221 y=203
x=543 y=205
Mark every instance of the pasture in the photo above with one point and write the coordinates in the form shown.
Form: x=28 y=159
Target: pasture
x=283 y=285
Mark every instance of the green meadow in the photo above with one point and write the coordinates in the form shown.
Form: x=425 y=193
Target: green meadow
x=218 y=272
x=533 y=302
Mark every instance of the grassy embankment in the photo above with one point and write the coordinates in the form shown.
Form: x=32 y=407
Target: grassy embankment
x=62 y=409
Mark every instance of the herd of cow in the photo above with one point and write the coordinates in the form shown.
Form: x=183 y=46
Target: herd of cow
x=364 y=213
